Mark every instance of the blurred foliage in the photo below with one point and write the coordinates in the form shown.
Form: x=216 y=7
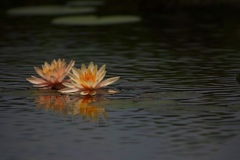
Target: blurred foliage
x=17 y=3
x=157 y=6
x=130 y=4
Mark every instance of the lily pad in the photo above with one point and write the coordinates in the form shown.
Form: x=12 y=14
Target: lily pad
x=29 y=93
x=180 y=108
x=49 y=10
x=161 y=106
x=84 y=3
x=172 y=95
x=234 y=107
x=92 y=20
x=128 y=103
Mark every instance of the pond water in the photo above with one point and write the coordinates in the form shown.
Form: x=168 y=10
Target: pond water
x=179 y=98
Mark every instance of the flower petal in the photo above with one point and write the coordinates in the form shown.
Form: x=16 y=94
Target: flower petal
x=77 y=85
x=54 y=63
x=107 y=82
x=69 y=85
x=36 y=80
x=61 y=78
x=95 y=84
x=110 y=91
x=73 y=77
x=101 y=70
x=59 y=61
x=85 y=92
x=52 y=79
x=69 y=90
x=47 y=65
x=101 y=76
x=83 y=68
x=41 y=85
x=91 y=66
x=70 y=65
x=75 y=71
x=41 y=73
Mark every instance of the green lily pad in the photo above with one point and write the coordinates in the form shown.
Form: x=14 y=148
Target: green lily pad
x=172 y=95
x=128 y=103
x=181 y=108
x=235 y=107
x=84 y=3
x=160 y=106
x=92 y=20
x=31 y=92
x=49 y=10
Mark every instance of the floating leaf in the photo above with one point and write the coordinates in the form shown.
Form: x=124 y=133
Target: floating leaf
x=161 y=106
x=235 y=107
x=50 y=10
x=94 y=20
x=172 y=95
x=128 y=103
x=181 y=108
x=85 y=3
x=29 y=92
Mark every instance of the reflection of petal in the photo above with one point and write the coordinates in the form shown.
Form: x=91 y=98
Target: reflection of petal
x=83 y=108
x=54 y=103
x=92 y=92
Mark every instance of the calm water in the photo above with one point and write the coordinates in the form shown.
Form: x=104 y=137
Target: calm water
x=179 y=98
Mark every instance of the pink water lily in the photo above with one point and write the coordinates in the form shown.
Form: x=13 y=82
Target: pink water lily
x=87 y=80
x=52 y=75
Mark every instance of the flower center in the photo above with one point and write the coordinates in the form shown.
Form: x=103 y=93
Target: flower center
x=88 y=76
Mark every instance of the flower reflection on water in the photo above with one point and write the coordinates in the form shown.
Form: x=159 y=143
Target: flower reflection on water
x=78 y=106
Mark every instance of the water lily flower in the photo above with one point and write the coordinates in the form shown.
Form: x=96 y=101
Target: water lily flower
x=87 y=80
x=52 y=75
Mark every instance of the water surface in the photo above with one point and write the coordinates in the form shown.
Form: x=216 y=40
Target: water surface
x=179 y=97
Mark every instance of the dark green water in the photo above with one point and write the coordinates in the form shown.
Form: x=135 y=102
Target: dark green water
x=179 y=98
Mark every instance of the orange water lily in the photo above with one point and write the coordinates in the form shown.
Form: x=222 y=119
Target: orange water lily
x=53 y=75
x=87 y=80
